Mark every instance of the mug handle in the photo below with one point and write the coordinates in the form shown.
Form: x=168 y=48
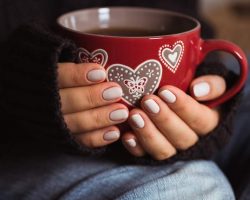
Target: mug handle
x=208 y=46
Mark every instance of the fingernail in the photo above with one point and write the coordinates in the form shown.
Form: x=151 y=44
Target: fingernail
x=131 y=142
x=118 y=115
x=112 y=93
x=168 y=96
x=111 y=135
x=138 y=121
x=201 y=89
x=152 y=106
x=96 y=75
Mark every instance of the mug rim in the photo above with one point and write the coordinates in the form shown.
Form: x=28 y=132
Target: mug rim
x=173 y=13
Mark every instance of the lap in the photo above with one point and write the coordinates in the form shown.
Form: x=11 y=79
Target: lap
x=74 y=177
x=184 y=181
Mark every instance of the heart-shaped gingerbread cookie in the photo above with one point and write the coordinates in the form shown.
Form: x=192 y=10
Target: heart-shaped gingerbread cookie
x=136 y=83
x=99 y=56
x=171 y=55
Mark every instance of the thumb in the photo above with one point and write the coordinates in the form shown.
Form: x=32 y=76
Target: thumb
x=207 y=87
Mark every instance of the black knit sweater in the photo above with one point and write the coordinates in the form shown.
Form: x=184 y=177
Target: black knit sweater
x=30 y=108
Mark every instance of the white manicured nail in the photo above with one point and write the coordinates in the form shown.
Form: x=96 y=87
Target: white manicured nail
x=111 y=135
x=118 y=115
x=201 y=89
x=152 y=106
x=168 y=96
x=96 y=75
x=112 y=93
x=131 y=142
x=138 y=121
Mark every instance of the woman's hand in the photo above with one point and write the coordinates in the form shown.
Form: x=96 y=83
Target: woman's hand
x=89 y=104
x=173 y=120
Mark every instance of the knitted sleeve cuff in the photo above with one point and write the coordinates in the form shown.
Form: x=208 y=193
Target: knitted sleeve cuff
x=30 y=101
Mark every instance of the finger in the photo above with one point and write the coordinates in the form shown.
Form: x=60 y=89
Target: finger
x=207 y=87
x=178 y=133
x=84 y=98
x=132 y=144
x=98 y=138
x=75 y=75
x=97 y=118
x=198 y=117
x=151 y=139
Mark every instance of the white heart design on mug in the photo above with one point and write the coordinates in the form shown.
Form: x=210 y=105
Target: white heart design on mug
x=136 y=83
x=171 y=56
x=99 y=56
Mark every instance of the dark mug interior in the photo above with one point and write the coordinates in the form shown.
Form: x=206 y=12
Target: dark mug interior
x=127 y=22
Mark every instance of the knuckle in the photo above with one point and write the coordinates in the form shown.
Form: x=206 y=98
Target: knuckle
x=91 y=143
x=164 y=155
x=184 y=144
x=183 y=105
x=99 y=119
x=180 y=144
x=76 y=75
x=196 y=123
x=91 y=97
x=79 y=126
x=95 y=120
x=147 y=135
x=200 y=125
x=165 y=119
x=85 y=122
x=88 y=141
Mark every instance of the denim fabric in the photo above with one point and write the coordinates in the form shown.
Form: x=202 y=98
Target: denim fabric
x=66 y=177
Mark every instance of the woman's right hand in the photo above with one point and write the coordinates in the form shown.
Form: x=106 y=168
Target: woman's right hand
x=89 y=105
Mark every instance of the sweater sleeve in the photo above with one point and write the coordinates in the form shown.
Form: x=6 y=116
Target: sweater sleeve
x=30 y=103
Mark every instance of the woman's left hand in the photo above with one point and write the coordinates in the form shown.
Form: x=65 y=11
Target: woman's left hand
x=173 y=120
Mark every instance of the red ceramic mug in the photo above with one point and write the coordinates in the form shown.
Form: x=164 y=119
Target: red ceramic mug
x=143 y=49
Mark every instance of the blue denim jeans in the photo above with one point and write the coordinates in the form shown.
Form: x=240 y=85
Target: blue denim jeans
x=67 y=177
